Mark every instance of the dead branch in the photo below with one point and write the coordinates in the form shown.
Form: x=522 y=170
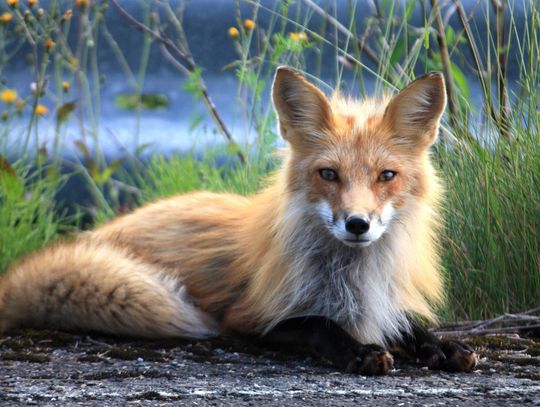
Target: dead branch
x=506 y=323
x=184 y=63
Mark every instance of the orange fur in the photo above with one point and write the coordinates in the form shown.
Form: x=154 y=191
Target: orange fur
x=202 y=263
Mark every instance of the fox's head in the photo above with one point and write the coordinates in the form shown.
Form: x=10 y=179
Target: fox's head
x=359 y=165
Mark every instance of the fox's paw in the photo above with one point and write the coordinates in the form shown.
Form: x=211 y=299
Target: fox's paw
x=371 y=360
x=450 y=356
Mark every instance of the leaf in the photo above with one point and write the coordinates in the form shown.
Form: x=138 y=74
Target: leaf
x=397 y=51
x=193 y=83
x=195 y=122
x=142 y=148
x=153 y=101
x=82 y=148
x=64 y=112
x=92 y=168
x=450 y=35
x=5 y=167
x=149 y=101
x=115 y=165
x=461 y=81
x=255 y=84
x=409 y=9
x=426 y=35
x=106 y=174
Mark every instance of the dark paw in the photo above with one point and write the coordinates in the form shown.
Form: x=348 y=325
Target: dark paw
x=450 y=356
x=371 y=361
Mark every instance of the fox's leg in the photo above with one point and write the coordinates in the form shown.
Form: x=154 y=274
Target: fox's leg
x=85 y=286
x=448 y=355
x=325 y=339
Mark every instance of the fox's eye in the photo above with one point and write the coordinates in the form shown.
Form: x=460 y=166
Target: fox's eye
x=387 y=175
x=328 y=174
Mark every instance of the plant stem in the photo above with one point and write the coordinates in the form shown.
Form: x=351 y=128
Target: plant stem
x=362 y=43
x=446 y=64
x=477 y=59
x=502 y=57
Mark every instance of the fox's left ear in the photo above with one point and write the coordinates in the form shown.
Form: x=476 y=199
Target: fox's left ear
x=415 y=112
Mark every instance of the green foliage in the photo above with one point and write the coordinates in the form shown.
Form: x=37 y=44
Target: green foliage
x=64 y=112
x=492 y=226
x=489 y=154
x=193 y=83
x=164 y=177
x=27 y=211
x=149 y=101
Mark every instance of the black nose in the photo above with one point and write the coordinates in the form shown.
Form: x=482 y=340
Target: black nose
x=357 y=224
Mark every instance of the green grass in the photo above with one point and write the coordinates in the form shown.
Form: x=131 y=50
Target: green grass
x=489 y=154
x=28 y=217
x=492 y=242
x=168 y=176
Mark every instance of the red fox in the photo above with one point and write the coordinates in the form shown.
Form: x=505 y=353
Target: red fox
x=338 y=255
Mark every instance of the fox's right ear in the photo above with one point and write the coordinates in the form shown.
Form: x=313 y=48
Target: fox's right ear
x=415 y=112
x=304 y=112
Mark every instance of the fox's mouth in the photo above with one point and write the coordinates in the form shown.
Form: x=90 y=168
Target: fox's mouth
x=357 y=242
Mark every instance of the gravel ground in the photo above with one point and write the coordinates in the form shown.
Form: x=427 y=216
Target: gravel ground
x=54 y=369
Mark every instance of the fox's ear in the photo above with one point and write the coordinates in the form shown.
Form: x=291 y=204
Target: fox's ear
x=304 y=112
x=415 y=112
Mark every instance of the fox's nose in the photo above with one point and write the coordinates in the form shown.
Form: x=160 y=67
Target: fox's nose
x=357 y=225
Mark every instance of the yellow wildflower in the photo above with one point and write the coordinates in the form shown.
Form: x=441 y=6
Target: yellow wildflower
x=41 y=110
x=302 y=36
x=12 y=3
x=249 y=24
x=32 y=3
x=5 y=17
x=8 y=95
x=4 y=115
x=48 y=44
x=82 y=3
x=65 y=86
x=233 y=32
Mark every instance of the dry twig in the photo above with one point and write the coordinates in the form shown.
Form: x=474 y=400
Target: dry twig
x=185 y=63
x=507 y=323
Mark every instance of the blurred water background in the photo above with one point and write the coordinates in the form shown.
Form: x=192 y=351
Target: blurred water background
x=172 y=128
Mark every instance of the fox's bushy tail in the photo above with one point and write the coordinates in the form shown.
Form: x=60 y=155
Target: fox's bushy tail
x=89 y=286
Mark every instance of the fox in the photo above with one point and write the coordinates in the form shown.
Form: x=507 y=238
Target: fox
x=337 y=256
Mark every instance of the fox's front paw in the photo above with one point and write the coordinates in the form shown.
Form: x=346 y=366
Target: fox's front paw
x=371 y=360
x=450 y=356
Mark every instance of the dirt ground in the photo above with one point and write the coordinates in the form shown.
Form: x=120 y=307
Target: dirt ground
x=54 y=369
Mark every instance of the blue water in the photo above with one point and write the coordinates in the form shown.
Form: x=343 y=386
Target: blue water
x=206 y=23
